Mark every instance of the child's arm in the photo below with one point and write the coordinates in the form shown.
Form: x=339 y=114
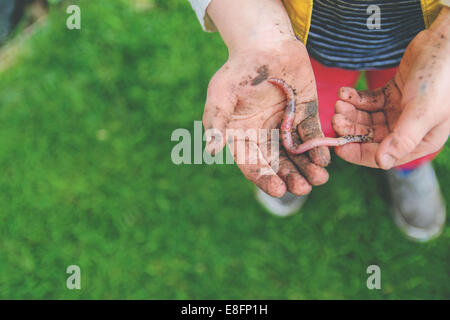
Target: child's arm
x=261 y=45
x=244 y=24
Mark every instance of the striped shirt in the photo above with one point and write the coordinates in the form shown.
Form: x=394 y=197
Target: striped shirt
x=340 y=35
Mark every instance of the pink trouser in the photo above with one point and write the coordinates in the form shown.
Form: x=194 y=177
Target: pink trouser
x=329 y=80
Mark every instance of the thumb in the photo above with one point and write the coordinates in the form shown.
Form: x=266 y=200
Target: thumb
x=408 y=132
x=220 y=104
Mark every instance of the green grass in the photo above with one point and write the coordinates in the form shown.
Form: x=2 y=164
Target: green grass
x=85 y=124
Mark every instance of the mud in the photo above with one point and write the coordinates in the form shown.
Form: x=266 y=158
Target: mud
x=312 y=108
x=263 y=74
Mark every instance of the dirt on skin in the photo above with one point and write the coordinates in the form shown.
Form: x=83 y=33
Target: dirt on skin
x=263 y=74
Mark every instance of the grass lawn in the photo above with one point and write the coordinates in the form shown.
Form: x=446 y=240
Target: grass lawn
x=87 y=179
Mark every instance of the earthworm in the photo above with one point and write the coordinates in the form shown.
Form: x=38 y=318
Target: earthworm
x=288 y=120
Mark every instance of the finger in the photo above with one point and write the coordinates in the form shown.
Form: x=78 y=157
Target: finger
x=309 y=129
x=431 y=143
x=433 y=140
x=363 y=100
x=280 y=163
x=408 y=132
x=343 y=126
x=220 y=105
x=353 y=114
x=358 y=153
x=295 y=182
x=347 y=118
x=255 y=167
x=315 y=174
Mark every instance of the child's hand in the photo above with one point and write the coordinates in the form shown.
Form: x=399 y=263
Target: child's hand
x=239 y=97
x=411 y=114
x=262 y=45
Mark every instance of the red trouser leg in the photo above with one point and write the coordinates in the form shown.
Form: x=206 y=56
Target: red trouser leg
x=329 y=80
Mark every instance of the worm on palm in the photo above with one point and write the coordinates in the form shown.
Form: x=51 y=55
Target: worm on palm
x=288 y=120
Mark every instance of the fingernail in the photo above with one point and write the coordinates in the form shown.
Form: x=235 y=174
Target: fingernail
x=387 y=161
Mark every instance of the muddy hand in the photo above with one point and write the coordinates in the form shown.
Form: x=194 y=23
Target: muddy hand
x=262 y=45
x=410 y=116
x=240 y=98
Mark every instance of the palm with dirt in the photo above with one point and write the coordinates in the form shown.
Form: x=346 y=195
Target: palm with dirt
x=240 y=98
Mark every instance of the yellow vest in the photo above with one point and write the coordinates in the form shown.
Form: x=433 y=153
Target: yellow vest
x=300 y=12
